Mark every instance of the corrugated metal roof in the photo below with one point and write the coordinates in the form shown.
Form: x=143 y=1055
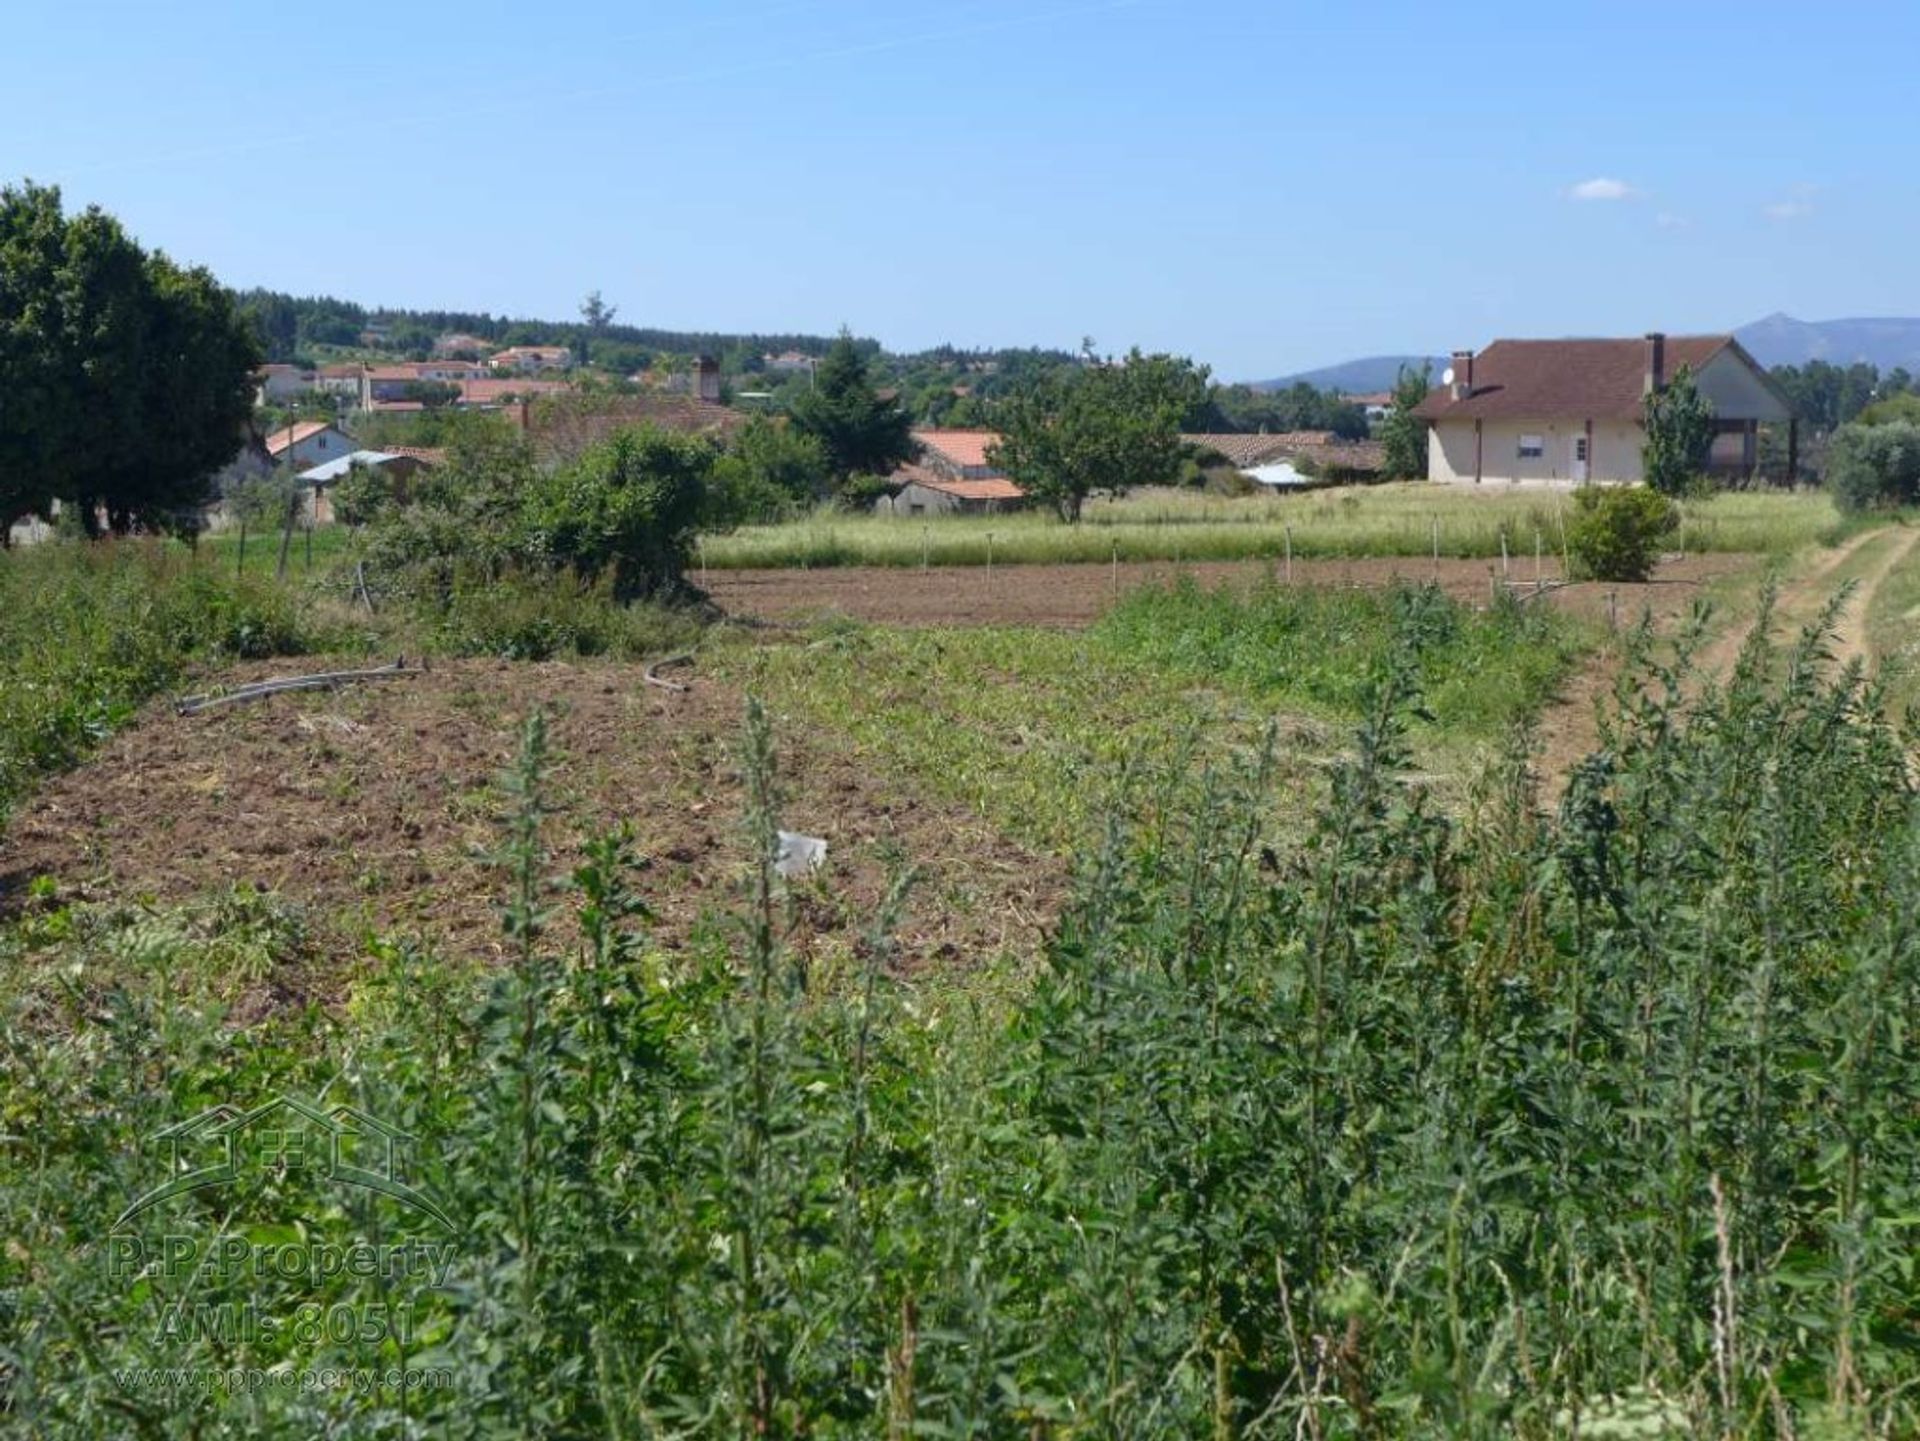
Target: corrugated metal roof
x=335 y=469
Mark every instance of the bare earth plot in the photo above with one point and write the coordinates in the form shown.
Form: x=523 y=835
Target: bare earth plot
x=376 y=805
x=1073 y=596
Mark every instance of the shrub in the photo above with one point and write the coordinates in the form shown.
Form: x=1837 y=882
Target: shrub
x=1616 y=531
x=627 y=508
x=1875 y=465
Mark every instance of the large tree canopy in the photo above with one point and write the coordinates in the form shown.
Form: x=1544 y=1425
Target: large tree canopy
x=125 y=379
x=864 y=433
x=1105 y=428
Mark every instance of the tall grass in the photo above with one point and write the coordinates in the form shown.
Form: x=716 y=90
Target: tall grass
x=1596 y=1123
x=89 y=631
x=1358 y=522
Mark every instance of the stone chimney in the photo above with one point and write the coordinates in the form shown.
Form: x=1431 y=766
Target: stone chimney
x=1462 y=374
x=1656 y=362
x=707 y=379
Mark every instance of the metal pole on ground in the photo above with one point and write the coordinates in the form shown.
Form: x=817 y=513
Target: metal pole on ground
x=1539 y=544
x=926 y=544
x=1436 y=548
x=1116 y=567
x=989 y=552
x=1289 y=532
x=1503 y=553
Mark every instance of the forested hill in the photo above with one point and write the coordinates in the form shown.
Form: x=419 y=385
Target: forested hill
x=294 y=326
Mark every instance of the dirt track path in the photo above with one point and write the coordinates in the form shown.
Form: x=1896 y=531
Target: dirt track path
x=1803 y=597
x=1570 y=728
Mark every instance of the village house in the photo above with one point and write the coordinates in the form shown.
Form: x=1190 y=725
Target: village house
x=959 y=454
x=457 y=343
x=341 y=380
x=308 y=443
x=1571 y=411
x=924 y=492
x=279 y=382
x=317 y=481
x=386 y=383
x=532 y=359
x=953 y=475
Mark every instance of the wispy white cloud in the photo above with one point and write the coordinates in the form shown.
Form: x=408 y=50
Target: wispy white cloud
x=1784 y=210
x=1602 y=187
x=1667 y=220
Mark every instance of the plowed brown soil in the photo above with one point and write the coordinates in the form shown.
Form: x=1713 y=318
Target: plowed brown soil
x=1071 y=596
x=375 y=805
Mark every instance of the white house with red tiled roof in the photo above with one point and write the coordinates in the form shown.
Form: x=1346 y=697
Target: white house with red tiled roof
x=1568 y=412
x=311 y=442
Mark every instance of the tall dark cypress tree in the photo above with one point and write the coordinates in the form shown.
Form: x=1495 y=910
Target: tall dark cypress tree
x=863 y=434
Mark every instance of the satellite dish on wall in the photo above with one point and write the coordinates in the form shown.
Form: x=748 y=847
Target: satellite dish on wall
x=1446 y=376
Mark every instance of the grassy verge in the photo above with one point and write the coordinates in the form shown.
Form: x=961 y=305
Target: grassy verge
x=1034 y=729
x=1387 y=520
x=88 y=632
x=1893 y=633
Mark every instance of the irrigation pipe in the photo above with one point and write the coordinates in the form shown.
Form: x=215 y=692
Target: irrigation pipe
x=652 y=676
x=325 y=680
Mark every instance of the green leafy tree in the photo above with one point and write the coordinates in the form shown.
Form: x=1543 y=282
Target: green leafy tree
x=627 y=508
x=861 y=431
x=1875 y=465
x=1403 y=435
x=1101 y=429
x=597 y=316
x=1679 y=426
x=128 y=378
x=771 y=471
x=362 y=495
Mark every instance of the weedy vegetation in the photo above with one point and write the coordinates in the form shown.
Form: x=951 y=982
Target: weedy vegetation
x=1491 y=1124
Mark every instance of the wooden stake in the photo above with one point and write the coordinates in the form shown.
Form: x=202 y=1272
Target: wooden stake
x=286 y=534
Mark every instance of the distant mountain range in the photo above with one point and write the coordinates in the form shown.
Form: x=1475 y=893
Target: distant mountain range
x=1364 y=376
x=1883 y=342
x=1777 y=340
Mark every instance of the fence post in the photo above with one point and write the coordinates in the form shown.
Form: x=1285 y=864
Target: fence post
x=1289 y=534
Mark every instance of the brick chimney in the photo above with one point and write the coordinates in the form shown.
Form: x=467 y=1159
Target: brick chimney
x=707 y=379
x=1656 y=362
x=1462 y=374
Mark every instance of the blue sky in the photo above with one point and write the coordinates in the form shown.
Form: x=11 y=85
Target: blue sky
x=1264 y=186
